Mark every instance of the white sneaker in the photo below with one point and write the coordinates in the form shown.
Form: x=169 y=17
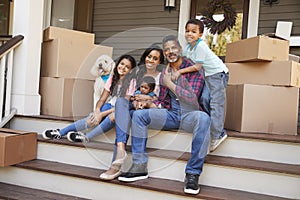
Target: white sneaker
x=51 y=134
x=74 y=136
x=215 y=143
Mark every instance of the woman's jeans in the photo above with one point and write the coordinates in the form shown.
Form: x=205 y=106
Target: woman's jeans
x=105 y=125
x=217 y=87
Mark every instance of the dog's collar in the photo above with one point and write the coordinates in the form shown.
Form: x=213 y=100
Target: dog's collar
x=105 y=77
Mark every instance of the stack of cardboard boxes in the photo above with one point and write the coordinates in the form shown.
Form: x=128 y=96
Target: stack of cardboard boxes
x=262 y=92
x=66 y=85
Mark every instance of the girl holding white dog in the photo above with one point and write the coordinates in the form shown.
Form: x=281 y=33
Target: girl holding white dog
x=102 y=119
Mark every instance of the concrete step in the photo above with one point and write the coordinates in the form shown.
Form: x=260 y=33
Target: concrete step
x=84 y=182
x=239 y=145
x=265 y=177
x=14 y=192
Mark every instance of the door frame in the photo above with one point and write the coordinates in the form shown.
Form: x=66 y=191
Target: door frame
x=250 y=17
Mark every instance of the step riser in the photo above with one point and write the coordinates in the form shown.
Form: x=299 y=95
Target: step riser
x=78 y=187
x=260 y=150
x=231 y=178
x=219 y=176
x=232 y=147
x=253 y=181
x=74 y=155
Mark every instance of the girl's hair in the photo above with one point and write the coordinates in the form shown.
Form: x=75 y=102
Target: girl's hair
x=116 y=76
x=141 y=69
x=149 y=80
x=197 y=22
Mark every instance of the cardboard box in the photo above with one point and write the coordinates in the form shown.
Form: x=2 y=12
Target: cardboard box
x=52 y=33
x=67 y=59
x=260 y=48
x=293 y=57
x=17 y=146
x=262 y=109
x=65 y=97
x=280 y=73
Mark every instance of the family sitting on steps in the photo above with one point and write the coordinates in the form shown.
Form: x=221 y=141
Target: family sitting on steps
x=187 y=93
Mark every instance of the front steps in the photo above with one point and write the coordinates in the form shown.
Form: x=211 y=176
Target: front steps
x=152 y=188
x=241 y=145
x=249 y=175
x=269 y=174
x=13 y=192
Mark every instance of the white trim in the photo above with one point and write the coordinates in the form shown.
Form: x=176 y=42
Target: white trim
x=253 y=18
x=295 y=41
x=47 y=13
x=184 y=16
x=28 y=21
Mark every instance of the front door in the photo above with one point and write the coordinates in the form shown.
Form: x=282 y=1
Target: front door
x=221 y=28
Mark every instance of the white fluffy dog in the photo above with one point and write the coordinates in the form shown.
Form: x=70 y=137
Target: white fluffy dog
x=102 y=68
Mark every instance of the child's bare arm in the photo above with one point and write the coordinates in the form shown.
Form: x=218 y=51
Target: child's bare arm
x=142 y=97
x=193 y=68
x=143 y=101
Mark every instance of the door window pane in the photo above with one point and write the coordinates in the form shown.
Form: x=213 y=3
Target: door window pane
x=4 y=17
x=62 y=13
x=72 y=14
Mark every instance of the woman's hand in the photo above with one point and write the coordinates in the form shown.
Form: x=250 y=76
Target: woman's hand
x=94 y=118
x=97 y=118
x=145 y=104
x=139 y=104
x=135 y=104
x=91 y=121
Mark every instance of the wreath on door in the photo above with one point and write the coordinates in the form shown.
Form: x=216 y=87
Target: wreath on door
x=219 y=26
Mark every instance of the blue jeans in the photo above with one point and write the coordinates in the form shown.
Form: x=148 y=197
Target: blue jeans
x=123 y=110
x=105 y=125
x=217 y=87
x=204 y=100
x=196 y=122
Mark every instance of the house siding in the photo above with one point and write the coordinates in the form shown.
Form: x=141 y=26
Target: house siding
x=285 y=10
x=130 y=26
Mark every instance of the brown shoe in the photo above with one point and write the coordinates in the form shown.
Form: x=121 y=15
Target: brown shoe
x=112 y=173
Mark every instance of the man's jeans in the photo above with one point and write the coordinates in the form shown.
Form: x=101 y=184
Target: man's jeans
x=197 y=122
x=217 y=87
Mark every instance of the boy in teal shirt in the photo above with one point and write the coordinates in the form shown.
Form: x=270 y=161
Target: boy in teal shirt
x=216 y=77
